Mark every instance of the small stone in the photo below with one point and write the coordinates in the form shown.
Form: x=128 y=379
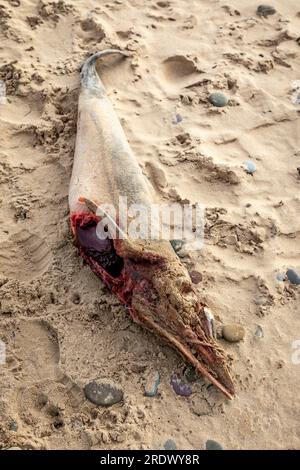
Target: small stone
x=265 y=10
x=250 y=167
x=152 y=384
x=177 y=245
x=163 y=4
x=195 y=276
x=103 y=392
x=298 y=169
x=218 y=99
x=293 y=277
x=170 y=445
x=296 y=99
x=259 y=333
x=180 y=387
x=178 y=118
x=13 y=426
x=213 y=445
x=190 y=374
x=184 y=138
x=233 y=332
x=281 y=277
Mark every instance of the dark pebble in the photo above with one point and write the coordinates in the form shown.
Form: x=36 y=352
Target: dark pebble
x=177 y=245
x=103 y=392
x=180 y=387
x=265 y=10
x=213 y=445
x=195 y=276
x=298 y=169
x=170 y=445
x=293 y=277
x=13 y=426
x=190 y=374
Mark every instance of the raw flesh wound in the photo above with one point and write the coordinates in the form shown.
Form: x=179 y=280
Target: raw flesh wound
x=100 y=251
x=117 y=273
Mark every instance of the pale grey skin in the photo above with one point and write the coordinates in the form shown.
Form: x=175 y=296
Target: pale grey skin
x=110 y=169
x=105 y=168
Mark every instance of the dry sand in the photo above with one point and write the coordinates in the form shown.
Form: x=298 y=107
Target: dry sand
x=61 y=327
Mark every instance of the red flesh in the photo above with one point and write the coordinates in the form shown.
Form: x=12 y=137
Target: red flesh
x=124 y=282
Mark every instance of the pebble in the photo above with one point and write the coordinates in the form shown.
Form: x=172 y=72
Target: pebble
x=103 y=392
x=280 y=277
x=296 y=99
x=152 y=384
x=213 y=445
x=218 y=99
x=180 y=387
x=265 y=10
x=298 y=169
x=170 y=445
x=177 y=245
x=190 y=374
x=178 y=118
x=195 y=276
x=293 y=277
x=250 y=167
x=13 y=426
x=233 y=332
x=259 y=333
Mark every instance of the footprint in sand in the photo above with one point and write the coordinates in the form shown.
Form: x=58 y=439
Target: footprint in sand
x=180 y=68
x=39 y=349
x=29 y=108
x=24 y=256
x=91 y=30
x=156 y=175
x=47 y=398
x=46 y=404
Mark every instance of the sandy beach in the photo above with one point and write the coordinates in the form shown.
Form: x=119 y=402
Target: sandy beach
x=60 y=327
